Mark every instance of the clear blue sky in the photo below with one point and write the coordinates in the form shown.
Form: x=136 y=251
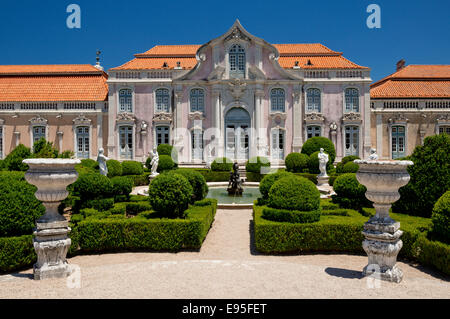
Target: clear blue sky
x=35 y=32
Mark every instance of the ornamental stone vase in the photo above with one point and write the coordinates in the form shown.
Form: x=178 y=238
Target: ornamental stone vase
x=382 y=234
x=51 y=177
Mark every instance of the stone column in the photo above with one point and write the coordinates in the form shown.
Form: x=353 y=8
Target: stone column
x=17 y=138
x=260 y=136
x=99 y=130
x=379 y=119
x=297 y=122
x=217 y=124
x=51 y=177
x=367 y=111
x=60 y=140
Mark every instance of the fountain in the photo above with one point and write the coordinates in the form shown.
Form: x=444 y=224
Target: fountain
x=51 y=177
x=235 y=183
x=382 y=234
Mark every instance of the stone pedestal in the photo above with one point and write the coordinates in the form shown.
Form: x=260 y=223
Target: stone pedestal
x=51 y=241
x=382 y=234
x=324 y=188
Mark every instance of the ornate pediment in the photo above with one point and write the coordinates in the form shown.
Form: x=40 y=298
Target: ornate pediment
x=314 y=117
x=237 y=88
x=237 y=34
x=398 y=118
x=278 y=119
x=196 y=116
x=443 y=118
x=351 y=117
x=162 y=118
x=38 y=120
x=81 y=120
x=125 y=117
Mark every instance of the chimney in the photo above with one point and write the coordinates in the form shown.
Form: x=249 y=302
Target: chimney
x=400 y=65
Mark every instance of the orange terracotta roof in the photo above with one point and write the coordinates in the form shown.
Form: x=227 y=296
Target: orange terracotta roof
x=48 y=69
x=414 y=81
x=57 y=83
x=320 y=56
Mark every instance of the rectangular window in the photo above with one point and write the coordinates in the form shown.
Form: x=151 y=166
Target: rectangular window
x=313 y=131
x=38 y=133
x=126 y=142
x=398 y=141
x=82 y=142
x=351 y=140
x=278 y=144
x=197 y=144
x=162 y=100
x=162 y=135
x=444 y=129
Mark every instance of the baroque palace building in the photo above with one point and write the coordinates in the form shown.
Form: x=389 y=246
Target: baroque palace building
x=407 y=106
x=237 y=96
x=65 y=104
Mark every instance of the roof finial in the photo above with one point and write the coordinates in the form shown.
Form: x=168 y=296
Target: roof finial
x=97 y=65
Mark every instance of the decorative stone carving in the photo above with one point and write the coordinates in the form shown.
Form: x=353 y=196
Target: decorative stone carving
x=382 y=234
x=196 y=116
x=162 y=117
x=443 y=118
x=237 y=34
x=101 y=159
x=144 y=127
x=373 y=154
x=237 y=88
x=51 y=177
x=38 y=120
x=81 y=120
x=125 y=117
x=398 y=118
x=314 y=117
x=351 y=117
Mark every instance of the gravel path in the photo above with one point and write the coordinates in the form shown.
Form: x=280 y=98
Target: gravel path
x=226 y=267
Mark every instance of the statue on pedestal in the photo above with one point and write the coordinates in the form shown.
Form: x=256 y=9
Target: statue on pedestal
x=101 y=159
x=235 y=183
x=373 y=154
x=323 y=160
x=154 y=162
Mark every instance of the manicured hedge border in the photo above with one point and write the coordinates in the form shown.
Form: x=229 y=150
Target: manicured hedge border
x=343 y=234
x=291 y=216
x=133 y=234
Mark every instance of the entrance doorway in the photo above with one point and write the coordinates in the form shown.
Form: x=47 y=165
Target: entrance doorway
x=237 y=134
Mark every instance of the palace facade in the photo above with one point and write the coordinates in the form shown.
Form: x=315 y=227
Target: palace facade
x=237 y=96
x=65 y=104
x=409 y=105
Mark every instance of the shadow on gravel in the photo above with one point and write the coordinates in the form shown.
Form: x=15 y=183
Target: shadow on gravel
x=27 y=276
x=344 y=273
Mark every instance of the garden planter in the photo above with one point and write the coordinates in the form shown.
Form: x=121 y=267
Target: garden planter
x=51 y=177
x=382 y=234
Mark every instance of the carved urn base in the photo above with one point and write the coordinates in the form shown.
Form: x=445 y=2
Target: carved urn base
x=382 y=245
x=51 y=244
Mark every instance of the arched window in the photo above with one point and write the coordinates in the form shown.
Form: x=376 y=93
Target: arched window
x=313 y=100
x=277 y=100
x=125 y=104
x=351 y=100
x=237 y=60
x=162 y=100
x=197 y=100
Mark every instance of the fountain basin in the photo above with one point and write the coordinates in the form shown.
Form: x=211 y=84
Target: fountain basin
x=218 y=190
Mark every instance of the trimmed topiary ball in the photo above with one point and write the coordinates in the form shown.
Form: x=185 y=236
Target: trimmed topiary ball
x=313 y=163
x=350 y=167
x=166 y=149
x=441 y=218
x=197 y=181
x=132 y=168
x=170 y=194
x=13 y=162
x=294 y=192
x=349 y=192
x=87 y=162
x=114 y=168
x=296 y=162
x=430 y=177
x=314 y=144
x=92 y=186
x=222 y=164
x=349 y=158
x=268 y=180
x=165 y=163
x=121 y=187
x=19 y=208
x=254 y=164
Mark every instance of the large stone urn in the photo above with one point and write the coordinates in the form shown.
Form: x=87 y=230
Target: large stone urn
x=382 y=234
x=51 y=177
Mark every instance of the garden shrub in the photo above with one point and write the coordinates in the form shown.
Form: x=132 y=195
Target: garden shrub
x=44 y=149
x=430 y=177
x=222 y=164
x=132 y=168
x=165 y=163
x=291 y=216
x=19 y=208
x=441 y=218
x=331 y=179
x=350 y=167
x=197 y=181
x=166 y=149
x=311 y=177
x=16 y=253
x=296 y=162
x=313 y=163
x=15 y=175
x=114 y=168
x=295 y=193
x=314 y=144
x=268 y=180
x=87 y=162
x=121 y=188
x=215 y=176
x=336 y=212
x=254 y=164
x=100 y=204
x=170 y=194
x=349 y=192
x=433 y=253
x=92 y=186
x=13 y=161
x=345 y=160
x=137 y=207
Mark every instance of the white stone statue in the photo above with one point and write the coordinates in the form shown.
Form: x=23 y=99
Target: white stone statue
x=209 y=156
x=154 y=162
x=323 y=160
x=101 y=159
x=373 y=154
